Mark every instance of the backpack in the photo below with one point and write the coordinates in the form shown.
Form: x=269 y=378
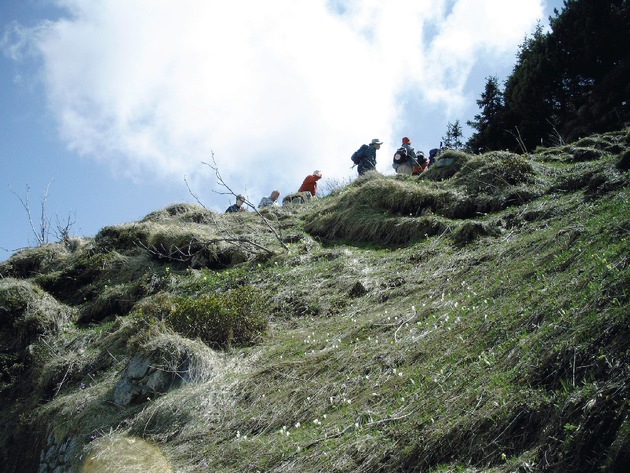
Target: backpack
x=401 y=156
x=359 y=154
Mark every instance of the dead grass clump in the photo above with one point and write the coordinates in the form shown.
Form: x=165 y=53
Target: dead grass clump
x=577 y=178
x=32 y=261
x=402 y=197
x=365 y=225
x=123 y=237
x=189 y=360
x=493 y=172
x=470 y=231
x=381 y=211
x=607 y=180
x=181 y=243
x=586 y=154
x=27 y=313
x=447 y=165
x=129 y=454
x=80 y=277
x=110 y=301
x=182 y=212
x=165 y=362
x=609 y=142
x=623 y=164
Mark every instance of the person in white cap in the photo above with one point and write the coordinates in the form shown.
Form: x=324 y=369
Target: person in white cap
x=368 y=161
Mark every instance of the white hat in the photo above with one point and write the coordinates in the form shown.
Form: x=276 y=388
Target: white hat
x=376 y=141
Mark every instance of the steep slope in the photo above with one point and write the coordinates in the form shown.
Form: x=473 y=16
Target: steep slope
x=474 y=319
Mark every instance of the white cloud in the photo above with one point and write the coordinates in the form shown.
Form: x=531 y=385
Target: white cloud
x=275 y=89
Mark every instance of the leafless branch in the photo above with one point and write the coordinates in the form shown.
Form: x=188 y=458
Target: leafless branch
x=222 y=183
x=559 y=139
x=62 y=231
x=41 y=233
x=185 y=254
x=230 y=191
x=519 y=139
x=193 y=194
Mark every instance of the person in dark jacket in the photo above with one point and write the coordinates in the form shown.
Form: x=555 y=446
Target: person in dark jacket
x=368 y=163
x=238 y=206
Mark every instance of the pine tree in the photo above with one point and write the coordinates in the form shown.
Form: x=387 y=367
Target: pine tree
x=454 y=136
x=489 y=123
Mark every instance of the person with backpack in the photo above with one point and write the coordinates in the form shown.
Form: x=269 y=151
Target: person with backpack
x=365 y=156
x=405 y=158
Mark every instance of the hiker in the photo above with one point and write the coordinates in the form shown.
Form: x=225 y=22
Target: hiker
x=423 y=164
x=366 y=161
x=238 y=206
x=310 y=183
x=405 y=158
x=270 y=201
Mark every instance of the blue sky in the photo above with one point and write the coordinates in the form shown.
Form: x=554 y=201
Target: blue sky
x=113 y=105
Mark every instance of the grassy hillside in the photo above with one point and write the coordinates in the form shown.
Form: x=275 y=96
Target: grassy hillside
x=475 y=319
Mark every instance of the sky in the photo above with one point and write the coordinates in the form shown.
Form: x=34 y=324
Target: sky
x=112 y=109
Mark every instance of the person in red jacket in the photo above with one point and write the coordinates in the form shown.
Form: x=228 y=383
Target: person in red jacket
x=310 y=183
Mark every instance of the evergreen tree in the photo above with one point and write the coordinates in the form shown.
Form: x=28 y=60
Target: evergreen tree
x=454 y=136
x=489 y=123
x=575 y=80
x=528 y=104
x=589 y=42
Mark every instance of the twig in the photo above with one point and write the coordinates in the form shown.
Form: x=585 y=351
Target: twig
x=193 y=194
x=518 y=138
x=387 y=420
x=403 y=323
x=60 y=385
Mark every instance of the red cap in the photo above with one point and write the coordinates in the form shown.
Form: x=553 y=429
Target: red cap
x=406 y=140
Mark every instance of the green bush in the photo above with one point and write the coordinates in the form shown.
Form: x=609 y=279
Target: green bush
x=222 y=320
